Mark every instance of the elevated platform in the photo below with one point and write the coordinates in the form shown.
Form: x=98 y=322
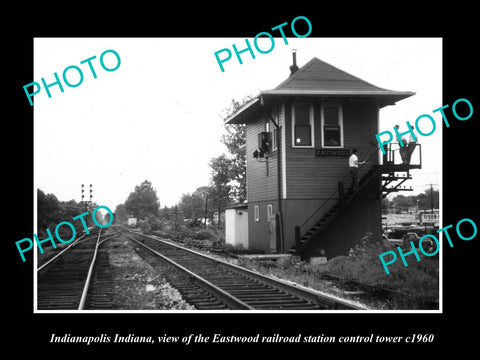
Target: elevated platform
x=390 y=167
x=397 y=163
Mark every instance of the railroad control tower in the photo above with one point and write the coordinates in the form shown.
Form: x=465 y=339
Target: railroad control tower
x=299 y=138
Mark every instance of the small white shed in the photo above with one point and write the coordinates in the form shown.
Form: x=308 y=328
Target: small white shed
x=236 y=226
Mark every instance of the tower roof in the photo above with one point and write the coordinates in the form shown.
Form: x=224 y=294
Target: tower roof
x=319 y=79
x=317 y=76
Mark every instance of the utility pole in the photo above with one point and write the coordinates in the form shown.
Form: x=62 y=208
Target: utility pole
x=431 y=198
x=431 y=206
x=206 y=211
x=176 y=217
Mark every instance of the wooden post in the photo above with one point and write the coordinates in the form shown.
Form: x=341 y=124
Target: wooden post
x=176 y=217
x=297 y=235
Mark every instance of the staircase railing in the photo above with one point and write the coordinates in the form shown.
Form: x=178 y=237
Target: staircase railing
x=390 y=156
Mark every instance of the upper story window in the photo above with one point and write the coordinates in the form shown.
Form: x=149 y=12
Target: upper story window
x=332 y=126
x=302 y=125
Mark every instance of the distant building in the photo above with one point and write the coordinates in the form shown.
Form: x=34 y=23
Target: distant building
x=236 y=226
x=131 y=221
x=299 y=138
x=431 y=217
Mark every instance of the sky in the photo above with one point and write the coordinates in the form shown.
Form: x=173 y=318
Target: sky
x=158 y=116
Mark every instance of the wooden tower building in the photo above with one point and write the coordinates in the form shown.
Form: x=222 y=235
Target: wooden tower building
x=299 y=138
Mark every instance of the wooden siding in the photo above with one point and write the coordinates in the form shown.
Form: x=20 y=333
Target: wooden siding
x=311 y=177
x=259 y=231
x=297 y=212
x=261 y=186
x=361 y=216
x=310 y=181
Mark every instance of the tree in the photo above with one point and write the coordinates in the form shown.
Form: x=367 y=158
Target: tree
x=220 y=182
x=72 y=208
x=204 y=193
x=402 y=202
x=143 y=202
x=229 y=179
x=425 y=201
x=49 y=211
x=121 y=213
x=192 y=205
x=164 y=213
x=429 y=198
x=385 y=205
x=236 y=142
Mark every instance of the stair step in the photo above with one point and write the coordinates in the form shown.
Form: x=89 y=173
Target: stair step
x=325 y=218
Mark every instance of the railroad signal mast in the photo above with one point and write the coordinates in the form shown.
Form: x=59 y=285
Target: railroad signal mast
x=87 y=202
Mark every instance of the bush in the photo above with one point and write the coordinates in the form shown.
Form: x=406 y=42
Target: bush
x=145 y=227
x=285 y=262
x=420 y=279
x=156 y=224
x=202 y=235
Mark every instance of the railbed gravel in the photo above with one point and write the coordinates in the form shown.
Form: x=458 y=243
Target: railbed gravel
x=139 y=286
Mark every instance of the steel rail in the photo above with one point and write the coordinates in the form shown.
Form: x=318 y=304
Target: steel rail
x=60 y=253
x=81 y=239
x=307 y=294
x=89 y=275
x=80 y=298
x=220 y=294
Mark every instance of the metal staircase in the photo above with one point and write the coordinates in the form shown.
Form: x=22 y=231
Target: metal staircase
x=344 y=199
x=393 y=175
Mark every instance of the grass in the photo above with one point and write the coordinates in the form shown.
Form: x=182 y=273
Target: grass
x=419 y=281
x=416 y=284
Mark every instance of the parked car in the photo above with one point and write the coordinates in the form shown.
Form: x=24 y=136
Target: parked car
x=427 y=243
x=392 y=242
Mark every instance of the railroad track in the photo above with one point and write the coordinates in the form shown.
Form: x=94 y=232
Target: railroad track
x=209 y=283
x=76 y=278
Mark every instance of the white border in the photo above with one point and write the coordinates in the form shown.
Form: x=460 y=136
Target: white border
x=284 y=180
